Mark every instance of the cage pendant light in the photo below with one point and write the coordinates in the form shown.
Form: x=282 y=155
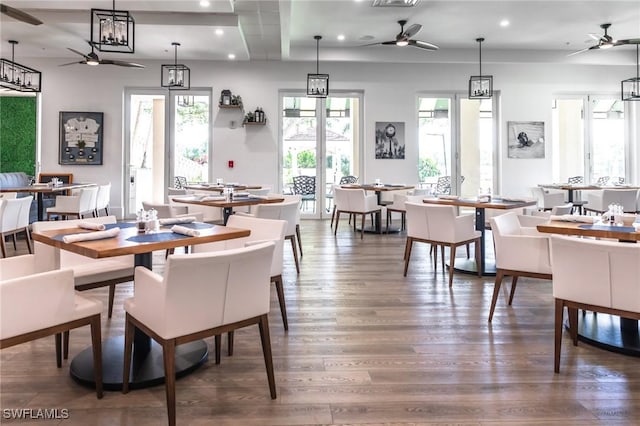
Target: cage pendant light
x=480 y=86
x=186 y=101
x=175 y=76
x=317 y=84
x=631 y=86
x=20 y=78
x=113 y=30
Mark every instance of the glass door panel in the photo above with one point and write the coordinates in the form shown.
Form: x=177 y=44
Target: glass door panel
x=434 y=140
x=476 y=147
x=191 y=137
x=568 y=138
x=607 y=140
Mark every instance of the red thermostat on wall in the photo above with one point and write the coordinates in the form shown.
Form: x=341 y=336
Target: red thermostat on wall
x=231 y=164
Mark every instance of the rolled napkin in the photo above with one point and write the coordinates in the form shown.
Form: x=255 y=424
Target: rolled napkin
x=185 y=231
x=575 y=218
x=88 y=236
x=448 y=197
x=176 y=220
x=92 y=225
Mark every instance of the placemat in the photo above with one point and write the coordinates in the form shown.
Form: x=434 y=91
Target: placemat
x=191 y=225
x=157 y=237
x=629 y=229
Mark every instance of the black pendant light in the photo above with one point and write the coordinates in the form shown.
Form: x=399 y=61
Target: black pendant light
x=480 y=86
x=631 y=86
x=175 y=76
x=317 y=84
x=18 y=77
x=113 y=30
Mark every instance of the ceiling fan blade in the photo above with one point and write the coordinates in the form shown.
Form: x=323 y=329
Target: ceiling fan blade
x=73 y=63
x=120 y=63
x=423 y=44
x=583 y=50
x=627 y=41
x=388 y=43
x=78 y=53
x=596 y=37
x=412 y=30
x=19 y=15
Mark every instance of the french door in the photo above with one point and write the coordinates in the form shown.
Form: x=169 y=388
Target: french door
x=457 y=139
x=320 y=143
x=167 y=135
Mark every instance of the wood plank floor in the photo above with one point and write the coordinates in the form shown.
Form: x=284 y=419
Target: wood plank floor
x=365 y=346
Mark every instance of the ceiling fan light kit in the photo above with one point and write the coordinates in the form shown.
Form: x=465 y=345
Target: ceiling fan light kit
x=175 y=76
x=14 y=76
x=317 y=84
x=113 y=30
x=480 y=86
x=631 y=86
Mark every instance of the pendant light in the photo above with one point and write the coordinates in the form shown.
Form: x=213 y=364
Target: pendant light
x=186 y=101
x=175 y=76
x=18 y=77
x=317 y=84
x=631 y=86
x=113 y=30
x=480 y=86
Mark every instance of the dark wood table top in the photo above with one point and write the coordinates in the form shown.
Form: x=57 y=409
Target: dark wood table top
x=377 y=188
x=122 y=244
x=495 y=203
x=43 y=187
x=626 y=233
x=237 y=201
x=584 y=187
x=219 y=188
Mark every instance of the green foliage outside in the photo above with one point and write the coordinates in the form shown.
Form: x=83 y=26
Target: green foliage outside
x=18 y=134
x=427 y=167
x=306 y=159
x=345 y=165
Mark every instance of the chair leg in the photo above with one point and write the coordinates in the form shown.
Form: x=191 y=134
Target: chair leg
x=218 y=346
x=573 y=324
x=129 y=329
x=407 y=254
x=295 y=251
x=230 y=336
x=442 y=256
x=3 y=246
x=557 y=335
x=96 y=347
x=467 y=250
x=280 y=292
x=496 y=292
x=514 y=283
x=65 y=344
x=333 y=214
x=478 y=260
x=434 y=251
x=169 y=355
x=28 y=237
x=13 y=237
x=335 y=231
x=266 y=352
x=112 y=293
x=58 y=339
x=388 y=220
x=298 y=238
x=452 y=261
x=362 y=228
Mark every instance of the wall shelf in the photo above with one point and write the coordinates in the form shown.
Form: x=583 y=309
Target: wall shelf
x=222 y=106
x=254 y=123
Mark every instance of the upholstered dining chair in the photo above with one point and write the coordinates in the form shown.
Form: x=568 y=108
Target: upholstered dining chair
x=14 y=219
x=398 y=206
x=200 y=295
x=37 y=303
x=356 y=202
x=103 y=199
x=83 y=202
x=602 y=180
x=439 y=225
x=594 y=275
x=598 y=201
x=87 y=273
x=547 y=198
x=520 y=252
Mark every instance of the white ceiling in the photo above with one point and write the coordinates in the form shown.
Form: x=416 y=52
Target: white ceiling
x=539 y=31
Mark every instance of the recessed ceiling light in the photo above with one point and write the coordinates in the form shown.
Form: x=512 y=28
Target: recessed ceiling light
x=219 y=31
x=504 y=23
x=231 y=56
x=341 y=37
x=205 y=3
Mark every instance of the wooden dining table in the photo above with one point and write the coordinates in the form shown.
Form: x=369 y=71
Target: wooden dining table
x=606 y=331
x=487 y=265
x=40 y=189
x=227 y=206
x=147 y=365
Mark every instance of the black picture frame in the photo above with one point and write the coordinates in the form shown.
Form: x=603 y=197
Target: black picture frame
x=81 y=138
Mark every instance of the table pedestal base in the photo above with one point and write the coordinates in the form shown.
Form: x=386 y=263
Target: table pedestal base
x=144 y=373
x=468 y=266
x=609 y=332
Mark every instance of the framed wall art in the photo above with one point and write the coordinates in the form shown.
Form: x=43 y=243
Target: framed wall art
x=525 y=139
x=390 y=140
x=81 y=140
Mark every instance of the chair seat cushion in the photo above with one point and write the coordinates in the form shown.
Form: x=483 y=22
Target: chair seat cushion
x=100 y=270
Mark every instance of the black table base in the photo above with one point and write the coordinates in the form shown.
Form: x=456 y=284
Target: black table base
x=609 y=332
x=468 y=266
x=145 y=372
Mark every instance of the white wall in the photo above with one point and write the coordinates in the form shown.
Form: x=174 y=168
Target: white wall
x=390 y=93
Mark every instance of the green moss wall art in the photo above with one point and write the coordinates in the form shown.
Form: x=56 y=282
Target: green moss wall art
x=18 y=134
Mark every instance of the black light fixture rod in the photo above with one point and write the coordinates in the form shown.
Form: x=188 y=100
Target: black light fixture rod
x=318 y=38
x=13 y=59
x=175 y=56
x=480 y=40
x=637 y=61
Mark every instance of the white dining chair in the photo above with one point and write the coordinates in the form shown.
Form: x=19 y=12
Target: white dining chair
x=103 y=198
x=356 y=202
x=79 y=205
x=14 y=219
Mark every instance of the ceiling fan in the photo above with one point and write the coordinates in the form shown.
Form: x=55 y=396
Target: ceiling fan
x=93 y=59
x=403 y=38
x=19 y=15
x=605 y=41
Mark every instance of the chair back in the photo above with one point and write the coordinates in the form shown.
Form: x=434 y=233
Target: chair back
x=625 y=197
x=346 y=180
x=340 y=197
x=207 y=290
x=575 y=179
x=65 y=178
x=8 y=195
x=356 y=200
x=441 y=222
x=103 y=197
x=88 y=197
x=443 y=186
x=596 y=272
x=261 y=191
x=305 y=186
x=563 y=209
x=262 y=230
x=179 y=182
x=14 y=213
x=417 y=224
x=287 y=210
x=164 y=210
x=505 y=224
x=399 y=201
